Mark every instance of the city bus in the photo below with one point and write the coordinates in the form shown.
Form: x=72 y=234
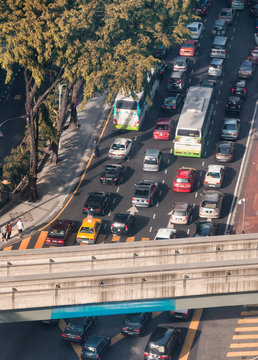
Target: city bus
x=194 y=121
x=129 y=111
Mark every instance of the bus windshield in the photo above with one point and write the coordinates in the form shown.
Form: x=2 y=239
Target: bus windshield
x=188 y=132
x=126 y=104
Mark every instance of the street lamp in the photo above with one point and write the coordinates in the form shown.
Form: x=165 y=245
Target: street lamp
x=240 y=202
x=60 y=88
x=10 y=119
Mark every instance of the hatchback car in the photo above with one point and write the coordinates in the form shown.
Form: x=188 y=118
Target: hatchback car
x=181 y=213
x=95 y=347
x=246 y=69
x=253 y=55
x=216 y=67
x=165 y=234
x=214 y=176
x=176 y=82
x=230 y=129
x=88 y=231
x=59 y=232
x=97 y=203
x=120 y=149
x=122 y=224
x=227 y=14
x=205 y=228
x=239 y=89
x=185 y=179
x=233 y=105
x=181 y=63
x=164 y=129
x=225 y=151
x=113 y=174
x=136 y=324
x=160 y=52
x=189 y=48
x=77 y=329
x=195 y=29
x=172 y=104
x=219 y=28
x=211 y=204
x=145 y=193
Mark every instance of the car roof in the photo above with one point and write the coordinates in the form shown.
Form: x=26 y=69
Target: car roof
x=164 y=121
x=165 y=232
x=121 y=141
x=93 y=340
x=246 y=62
x=152 y=152
x=230 y=120
x=212 y=195
x=181 y=206
x=181 y=58
x=60 y=224
x=90 y=222
x=176 y=74
x=234 y=98
x=240 y=83
x=215 y=168
x=161 y=334
x=189 y=41
x=196 y=23
x=183 y=173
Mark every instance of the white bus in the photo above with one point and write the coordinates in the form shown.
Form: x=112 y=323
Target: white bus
x=129 y=112
x=194 y=122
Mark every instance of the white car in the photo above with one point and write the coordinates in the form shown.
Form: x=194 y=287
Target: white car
x=196 y=29
x=120 y=148
x=214 y=176
x=256 y=38
x=165 y=234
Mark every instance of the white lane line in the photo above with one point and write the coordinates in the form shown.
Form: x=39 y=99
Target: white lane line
x=109 y=214
x=190 y=80
x=163 y=181
x=208 y=141
x=212 y=121
x=209 y=132
x=221 y=82
x=198 y=184
x=234 y=30
x=214 y=112
x=168 y=161
x=229 y=46
x=150 y=229
x=159 y=192
x=205 y=153
x=203 y=163
x=171 y=150
x=240 y=178
x=219 y=93
x=153 y=217
x=196 y=194
x=166 y=171
x=194 y=62
x=188 y=231
x=117 y=189
x=217 y=101
x=193 y=206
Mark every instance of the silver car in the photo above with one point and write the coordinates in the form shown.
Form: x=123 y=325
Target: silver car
x=181 y=213
x=216 y=67
x=211 y=204
x=214 y=176
x=144 y=193
x=182 y=63
x=230 y=129
x=120 y=148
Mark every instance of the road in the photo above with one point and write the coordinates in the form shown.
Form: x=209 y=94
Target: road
x=217 y=326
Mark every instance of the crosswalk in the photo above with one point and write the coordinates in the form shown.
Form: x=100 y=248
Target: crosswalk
x=244 y=343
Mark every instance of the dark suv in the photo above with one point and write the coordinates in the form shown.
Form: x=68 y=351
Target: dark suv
x=97 y=203
x=95 y=347
x=136 y=324
x=77 y=329
x=122 y=224
x=176 y=82
x=162 y=343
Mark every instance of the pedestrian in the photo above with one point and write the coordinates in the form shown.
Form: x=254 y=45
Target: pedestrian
x=4 y=232
x=20 y=227
x=9 y=230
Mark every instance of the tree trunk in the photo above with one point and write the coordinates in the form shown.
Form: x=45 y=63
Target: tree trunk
x=74 y=118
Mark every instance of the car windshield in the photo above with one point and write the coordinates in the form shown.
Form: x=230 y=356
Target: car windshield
x=111 y=169
x=142 y=193
x=204 y=229
x=155 y=349
x=87 y=230
x=161 y=127
x=208 y=204
x=180 y=63
x=225 y=13
x=133 y=318
x=179 y=213
x=193 y=28
x=229 y=127
x=170 y=101
x=150 y=161
x=54 y=232
x=118 y=146
x=74 y=327
x=187 y=45
x=126 y=104
x=182 y=180
x=89 y=350
x=224 y=149
x=245 y=67
x=214 y=175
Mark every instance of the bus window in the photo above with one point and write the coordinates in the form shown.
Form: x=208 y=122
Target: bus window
x=125 y=104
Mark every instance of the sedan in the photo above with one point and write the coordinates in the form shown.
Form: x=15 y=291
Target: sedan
x=160 y=52
x=165 y=234
x=214 y=176
x=195 y=29
x=182 y=63
x=254 y=10
x=97 y=203
x=136 y=324
x=185 y=180
x=189 y=48
x=205 y=228
x=230 y=129
x=120 y=149
x=181 y=213
x=211 y=204
x=219 y=28
x=162 y=68
x=225 y=151
x=122 y=224
x=246 y=69
x=113 y=174
x=59 y=232
x=144 y=193
x=171 y=104
x=253 y=55
x=233 y=105
x=95 y=347
x=227 y=14
x=239 y=89
x=77 y=329
x=164 y=129
x=202 y=10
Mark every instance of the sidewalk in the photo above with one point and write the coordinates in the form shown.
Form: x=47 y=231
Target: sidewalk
x=56 y=183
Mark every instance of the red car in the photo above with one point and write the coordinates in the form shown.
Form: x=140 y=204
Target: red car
x=164 y=129
x=203 y=10
x=59 y=232
x=189 y=48
x=185 y=179
x=253 y=56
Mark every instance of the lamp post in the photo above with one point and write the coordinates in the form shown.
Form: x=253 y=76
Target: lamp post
x=11 y=119
x=60 y=88
x=240 y=202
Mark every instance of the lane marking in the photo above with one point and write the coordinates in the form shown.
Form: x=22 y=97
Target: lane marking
x=166 y=171
x=150 y=229
x=243 y=345
x=246 y=329
x=203 y=163
x=115 y=238
x=24 y=244
x=130 y=239
x=251 y=312
x=145 y=239
x=242 y=353
x=248 y=321
x=188 y=231
x=41 y=240
x=245 y=337
x=7 y=248
x=153 y=217
x=117 y=338
x=196 y=194
x=117 y=189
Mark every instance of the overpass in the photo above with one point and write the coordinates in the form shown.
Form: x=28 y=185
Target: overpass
x=128 y=277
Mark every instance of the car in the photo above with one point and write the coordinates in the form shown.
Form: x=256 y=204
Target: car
x=162 y=68
x=256 y=25
x=230 y=129
x=239 y=89
x=214 y=176
x=160 y=52
x=219 y=28
x=59 y=232
x=189 y=48
x=219 y=48
x=253 y=55
x=216 y=67
x=195 y=29
x=95 y=347
x=238 y=4
x=225 y=151
x=164 y=129
x=211 y=84
x=183 y=314
x=165 y=234
x=205 y=228
x=144 y=193
x=152 y=160
x=227 y=14
x=97 y=203
x=163 y=343
x=136 y=324
x=88 y=231
x=181 y=213
x=120 y=149
x=185 y=179
x=256 y=38
x=122 y=224
x=203 y=8
x=246 y=69
x=176 y=82
x=113 y=174
x=211 y=204
x=181 y=63
x=172 y=104
x=233 y=105
x=77 y=329
x=254 y=10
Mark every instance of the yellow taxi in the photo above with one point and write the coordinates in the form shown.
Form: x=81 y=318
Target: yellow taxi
x=88 y=231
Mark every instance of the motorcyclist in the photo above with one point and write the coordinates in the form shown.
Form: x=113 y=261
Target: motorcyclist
x=95 y=148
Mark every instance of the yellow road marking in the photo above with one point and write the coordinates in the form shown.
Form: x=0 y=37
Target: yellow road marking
x=248 y=321
x=130 y=239
x=191 y=334
x=24 y=244
x=251 y=312
x=17 y=97
x=115 y=238
x=244 y=329
x=82 y=244
x=243 y=345
x=245 y=337
x=41 y=240
x=62 y=324
x=7 y=248
x=117 y=338
x=242 y=353
x=145 y=239
x=250 y=305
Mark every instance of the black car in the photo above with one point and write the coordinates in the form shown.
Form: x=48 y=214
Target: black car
x=136 y=324
x=122 y=224
x=113 y=174
x=160 y=52
x=162 y=68
x=163 y=343
x=225 y=151
x=254 y=9
x=95 y=347
x=77 y=329
x=233 y=105
x=176 y=82
x=172 y=104
x=97 y=203
x=205 y=228
x=239 y=89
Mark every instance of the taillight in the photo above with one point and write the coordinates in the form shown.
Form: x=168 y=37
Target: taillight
x=146 y=354
x=85 y=208
x=97 y=210
x=133 y=199
x=115 y=179
x=101 y=178
x=163 y=106
x=220 y=67
x=126 y=227
x=232 y=90
x=163 y=357
x=147 y=200
x=136 y=330
x=230 y=155
x=114 y=121
x=64 y=335
x=235 y=134
x=244 y=90
x=112 y=226
x=123 y=328
x=186 y=313
x=180 y=81
x=205 y=182
x=78 y=338
x=238 y=106
x=186 y=218
x=60 y=241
